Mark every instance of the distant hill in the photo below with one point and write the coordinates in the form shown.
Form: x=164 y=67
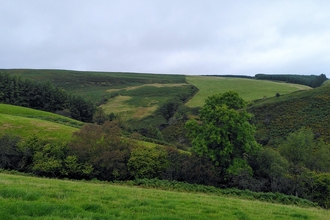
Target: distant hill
x=92 y=84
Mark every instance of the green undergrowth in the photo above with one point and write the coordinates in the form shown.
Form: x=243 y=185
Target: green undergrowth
x=24 y=197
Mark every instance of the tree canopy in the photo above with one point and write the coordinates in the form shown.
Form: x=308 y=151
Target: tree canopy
x=224 y=133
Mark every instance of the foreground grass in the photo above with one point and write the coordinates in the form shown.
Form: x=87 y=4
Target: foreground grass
x=248 y=89
x=24 y=122
x=23 y=197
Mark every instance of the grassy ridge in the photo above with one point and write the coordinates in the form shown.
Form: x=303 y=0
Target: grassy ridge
x=24 y=197
x=248 y=89
x=25 y=122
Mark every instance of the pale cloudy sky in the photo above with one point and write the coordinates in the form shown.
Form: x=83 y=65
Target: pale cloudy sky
x=167 y=36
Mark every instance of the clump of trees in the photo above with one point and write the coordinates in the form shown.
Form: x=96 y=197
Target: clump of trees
x=311 y=80
x=43 y=96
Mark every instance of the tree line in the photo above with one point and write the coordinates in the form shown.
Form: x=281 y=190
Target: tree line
x=311 y=80
x=43 y=96
x=223 y=153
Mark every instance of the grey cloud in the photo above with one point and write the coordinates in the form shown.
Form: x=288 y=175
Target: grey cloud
x=190 y=37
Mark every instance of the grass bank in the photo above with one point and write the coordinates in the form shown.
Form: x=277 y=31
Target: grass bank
x=25 y=121
x=23 y=197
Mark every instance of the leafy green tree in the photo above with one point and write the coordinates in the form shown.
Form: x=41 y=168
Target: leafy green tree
x=147 y=162
x=272 y=167
x=302 y=149
x=224 y=133
x=298 y=146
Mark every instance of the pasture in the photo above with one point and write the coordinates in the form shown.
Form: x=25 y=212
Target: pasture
x=24 y=197
x=25 y=122
x=248 y=89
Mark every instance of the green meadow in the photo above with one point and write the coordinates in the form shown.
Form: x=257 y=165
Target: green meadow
x=24 y=197
x=248 y=89
x=25 y=122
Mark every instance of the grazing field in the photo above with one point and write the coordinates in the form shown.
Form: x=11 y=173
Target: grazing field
x=248 y=89
x=25 y=122
x=23 y=197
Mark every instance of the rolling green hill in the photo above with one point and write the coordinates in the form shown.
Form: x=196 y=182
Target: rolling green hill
x=248 y=89
x=25 y=122
x=23 y=197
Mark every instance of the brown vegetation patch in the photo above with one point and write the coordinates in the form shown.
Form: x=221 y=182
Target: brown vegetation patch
x=142 y=112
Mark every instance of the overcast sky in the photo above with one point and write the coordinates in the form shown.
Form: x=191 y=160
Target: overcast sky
x=167 y=36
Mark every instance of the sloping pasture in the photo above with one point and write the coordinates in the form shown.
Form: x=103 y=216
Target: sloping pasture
x=248 y=89
x=25 y=122
x=23 y=197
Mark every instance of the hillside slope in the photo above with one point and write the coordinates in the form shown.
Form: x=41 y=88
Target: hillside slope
x=24 y=122
x=93 y=85
x=248 y=89
x=276 y=117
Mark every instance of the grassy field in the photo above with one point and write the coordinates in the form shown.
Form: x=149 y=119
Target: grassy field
x=248 y=89
x=25 y=122
x=23 y=197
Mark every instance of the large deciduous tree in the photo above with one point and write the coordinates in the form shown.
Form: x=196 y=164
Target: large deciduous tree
x=224 y=133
